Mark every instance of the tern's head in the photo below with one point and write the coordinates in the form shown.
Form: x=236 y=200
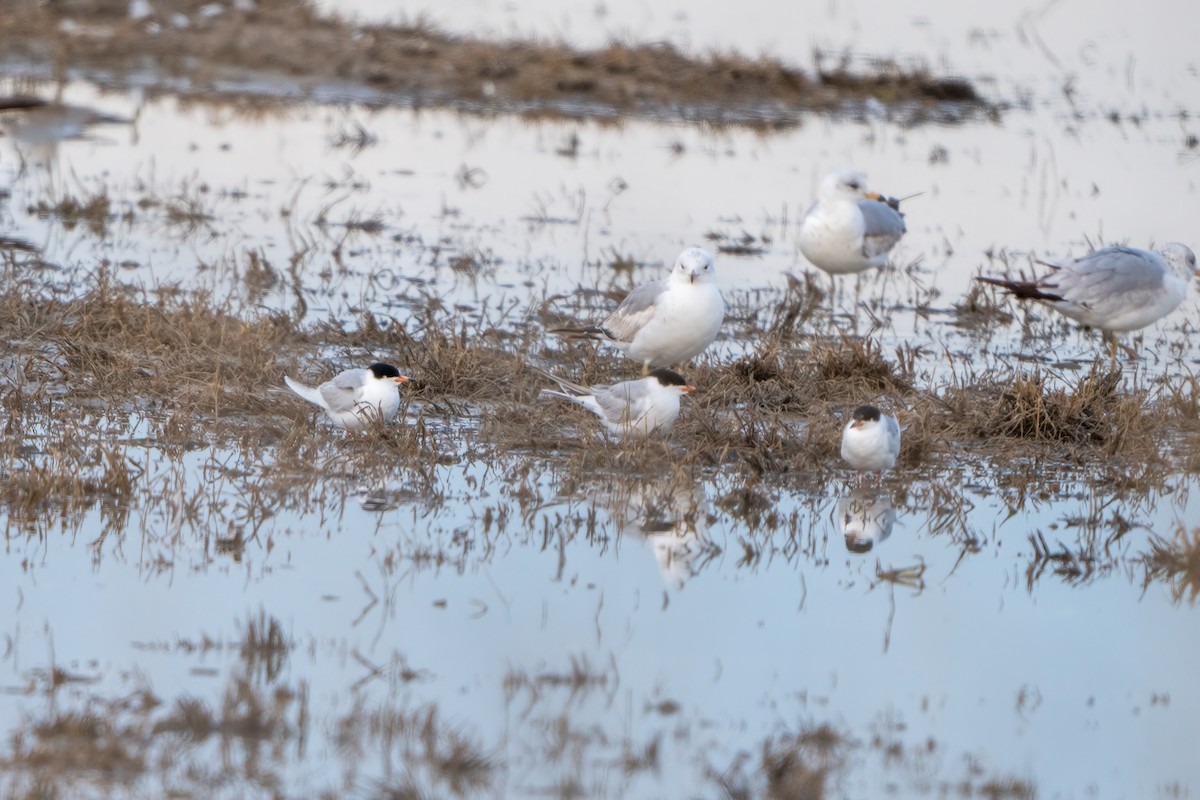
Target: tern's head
x=864 y=417
x=1181 y=258
x=386 y=372
x=845 y=184
x=670 y=379
x=695 y=265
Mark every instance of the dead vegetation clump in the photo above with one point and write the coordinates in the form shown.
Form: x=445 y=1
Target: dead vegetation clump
x=858 y=367
x=780 y=375
x=449 y=357
x=113 y=342
x=414 y=64
x=1091 y=411
x=981 y=307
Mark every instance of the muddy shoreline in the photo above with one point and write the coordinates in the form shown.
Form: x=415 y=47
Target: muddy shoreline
x=282 y=50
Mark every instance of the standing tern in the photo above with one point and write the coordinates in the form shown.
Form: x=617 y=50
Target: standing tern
x=871 y=440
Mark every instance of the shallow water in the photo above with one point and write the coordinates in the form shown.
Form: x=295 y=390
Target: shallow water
x=641 y=634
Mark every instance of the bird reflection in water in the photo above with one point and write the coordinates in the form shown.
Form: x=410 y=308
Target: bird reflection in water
x=37 y=126
x=671 y=516
x=865 y=518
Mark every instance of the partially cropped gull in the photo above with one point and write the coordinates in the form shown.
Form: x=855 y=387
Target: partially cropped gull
x=1115 y=289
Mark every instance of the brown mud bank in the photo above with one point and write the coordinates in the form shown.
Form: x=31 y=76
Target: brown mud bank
x=284 y=49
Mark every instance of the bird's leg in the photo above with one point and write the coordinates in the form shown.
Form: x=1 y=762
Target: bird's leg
x=645 y=368
x=1113 y=344
x=833 y=298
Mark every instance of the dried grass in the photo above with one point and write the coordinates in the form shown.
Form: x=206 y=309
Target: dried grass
x=93 y=357
x=415 y=64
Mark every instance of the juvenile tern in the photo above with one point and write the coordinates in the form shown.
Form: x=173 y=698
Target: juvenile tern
x=849 y=229
x=1115 y=289
x=870 y=440
x=629 y=408
x=667 y=321
x=356 y=396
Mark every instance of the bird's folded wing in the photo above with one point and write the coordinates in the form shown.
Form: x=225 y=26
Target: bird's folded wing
x=634 y=312
x=621 y=401
x=883 y=227
x=344 y=391
x=1113 y=276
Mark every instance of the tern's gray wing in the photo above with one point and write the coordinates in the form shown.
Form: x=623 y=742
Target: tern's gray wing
x=343 y=391
x=622 y=402
x=1112 y=276
x=634 y=312
x=883 y=227
x=893 y=427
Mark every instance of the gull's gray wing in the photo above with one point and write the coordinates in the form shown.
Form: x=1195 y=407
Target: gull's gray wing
x=634 y=312
x=1115 y=277
x=342 y=392
x=884 y=227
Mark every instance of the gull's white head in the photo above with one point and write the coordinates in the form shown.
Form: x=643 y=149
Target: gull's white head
x=845 y=184
x=1181 y=258
x=694 y=265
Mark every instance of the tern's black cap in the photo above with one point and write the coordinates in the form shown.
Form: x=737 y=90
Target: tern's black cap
x=668 y=377
x=866 y=414
x=381 y=370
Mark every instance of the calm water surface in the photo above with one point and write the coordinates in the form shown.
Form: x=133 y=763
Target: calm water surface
x=560 y=624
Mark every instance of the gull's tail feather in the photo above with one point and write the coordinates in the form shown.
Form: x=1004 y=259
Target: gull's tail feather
x=307 y=392
x=1022 y=290
x=586 y=332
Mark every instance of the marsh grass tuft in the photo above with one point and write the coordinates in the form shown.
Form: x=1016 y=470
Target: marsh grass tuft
x=1091 y=411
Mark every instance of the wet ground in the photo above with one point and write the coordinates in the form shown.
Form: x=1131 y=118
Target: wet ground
x=210 y=593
